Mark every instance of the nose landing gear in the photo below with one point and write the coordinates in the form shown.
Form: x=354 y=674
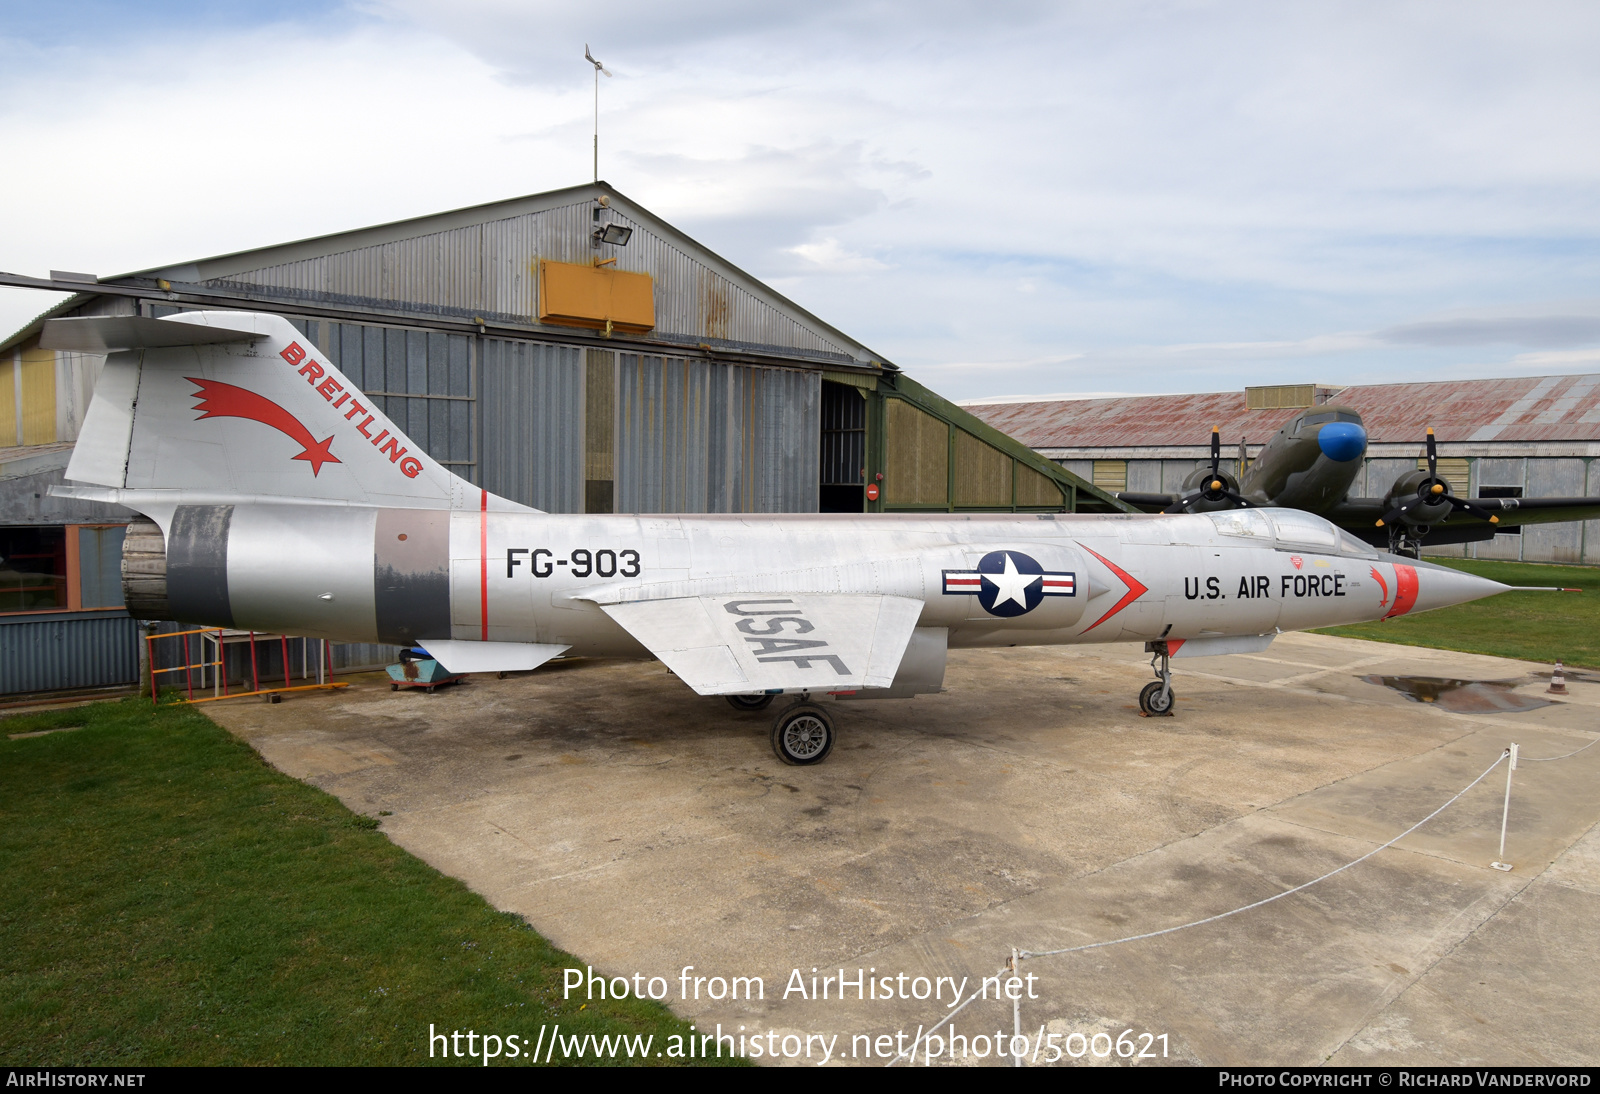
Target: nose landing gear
x=1157 y=698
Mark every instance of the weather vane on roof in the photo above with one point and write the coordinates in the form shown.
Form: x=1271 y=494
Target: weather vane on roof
x=598 y=69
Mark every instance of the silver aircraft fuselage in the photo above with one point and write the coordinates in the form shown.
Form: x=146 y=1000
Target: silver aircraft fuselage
x=280 y=500
x=365 y=574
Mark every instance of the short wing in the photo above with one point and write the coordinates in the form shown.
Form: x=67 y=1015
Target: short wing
x=732 y=645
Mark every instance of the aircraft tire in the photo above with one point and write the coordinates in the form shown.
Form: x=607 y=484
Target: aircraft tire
x=802 y=735
x=750 y=702
x=1150 y=701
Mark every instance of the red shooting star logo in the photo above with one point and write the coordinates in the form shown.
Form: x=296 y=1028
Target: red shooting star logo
x=220 y=400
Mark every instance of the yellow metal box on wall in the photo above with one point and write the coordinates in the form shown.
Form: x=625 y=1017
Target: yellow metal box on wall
x=571 y=295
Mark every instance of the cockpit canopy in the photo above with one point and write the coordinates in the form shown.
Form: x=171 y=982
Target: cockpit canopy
x=1322 y=417
x=1291 y=528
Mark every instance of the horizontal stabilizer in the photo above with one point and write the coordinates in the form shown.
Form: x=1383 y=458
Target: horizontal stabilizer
x=110 y=333
x=490 y=656
x=734 y=645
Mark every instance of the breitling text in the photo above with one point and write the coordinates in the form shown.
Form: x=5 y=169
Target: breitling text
x=294 y=353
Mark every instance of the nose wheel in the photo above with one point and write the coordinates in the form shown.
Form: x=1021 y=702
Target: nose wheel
x=1157 y=698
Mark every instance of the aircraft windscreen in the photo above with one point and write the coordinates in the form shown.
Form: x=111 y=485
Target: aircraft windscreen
x=1350 y=545
x=1324 y=416
x=1299 y=529
x=1242 y=522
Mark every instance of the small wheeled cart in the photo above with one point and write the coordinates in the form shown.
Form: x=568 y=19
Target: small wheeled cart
x=417 y=670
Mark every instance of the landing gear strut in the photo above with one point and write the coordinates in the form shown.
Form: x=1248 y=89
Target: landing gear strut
x=1405 y=540
x=1157 y=698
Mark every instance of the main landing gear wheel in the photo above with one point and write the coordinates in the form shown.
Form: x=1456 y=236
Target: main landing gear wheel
x=750 y=702
x=802 y=734
x=1156 y=700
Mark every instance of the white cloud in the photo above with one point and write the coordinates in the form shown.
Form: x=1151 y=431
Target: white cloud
x=828 y=255
x=1573 y=360
x=1000 y=197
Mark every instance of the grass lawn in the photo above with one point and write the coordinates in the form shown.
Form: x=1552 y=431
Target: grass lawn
x=1530 y=626
x=168 y=898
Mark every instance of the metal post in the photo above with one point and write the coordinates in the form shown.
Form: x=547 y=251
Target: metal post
x=285 y=640
x=255 y=673
x=150 y=659
x=1016 y=1011
x=1500 y=863
x=188 y=670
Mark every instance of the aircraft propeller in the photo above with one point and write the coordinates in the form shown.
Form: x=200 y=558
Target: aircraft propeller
x=1215 y=488
x=1432 y=492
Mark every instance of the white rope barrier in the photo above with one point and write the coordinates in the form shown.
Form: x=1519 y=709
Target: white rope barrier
x=1025 y=955
x=1574 y=752
x=922 y=1036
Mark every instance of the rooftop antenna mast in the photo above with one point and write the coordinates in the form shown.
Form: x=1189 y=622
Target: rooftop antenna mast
x=598 y=69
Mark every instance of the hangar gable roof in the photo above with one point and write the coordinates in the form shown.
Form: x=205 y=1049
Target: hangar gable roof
x=1534 y=408
x=481 y=263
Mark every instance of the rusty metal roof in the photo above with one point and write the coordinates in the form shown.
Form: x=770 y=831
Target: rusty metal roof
x=1534 y=408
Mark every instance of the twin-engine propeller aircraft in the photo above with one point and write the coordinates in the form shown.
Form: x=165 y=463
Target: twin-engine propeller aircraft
x=278 y=500
x=1312 y=462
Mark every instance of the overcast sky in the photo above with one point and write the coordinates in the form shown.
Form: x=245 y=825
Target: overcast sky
x=1004 y=199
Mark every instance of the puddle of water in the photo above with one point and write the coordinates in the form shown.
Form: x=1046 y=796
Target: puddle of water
x=1462 y=696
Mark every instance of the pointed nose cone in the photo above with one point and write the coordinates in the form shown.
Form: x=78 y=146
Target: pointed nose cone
x=1342 y=441
x=1441 y=586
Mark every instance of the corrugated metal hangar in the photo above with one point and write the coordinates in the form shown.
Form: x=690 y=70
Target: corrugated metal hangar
x=568 y=350
x=1536 y=436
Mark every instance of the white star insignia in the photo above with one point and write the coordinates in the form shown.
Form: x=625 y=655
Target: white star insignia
x=1011 y=585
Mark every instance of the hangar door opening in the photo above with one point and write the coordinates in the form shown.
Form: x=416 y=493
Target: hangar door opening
x=842 y=481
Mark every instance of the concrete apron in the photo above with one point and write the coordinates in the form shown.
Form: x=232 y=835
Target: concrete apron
x=646 y=829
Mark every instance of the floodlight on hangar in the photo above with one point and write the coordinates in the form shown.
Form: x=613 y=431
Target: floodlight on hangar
x=617 y=234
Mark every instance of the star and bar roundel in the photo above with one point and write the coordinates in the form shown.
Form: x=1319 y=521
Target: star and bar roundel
x=1009 y=583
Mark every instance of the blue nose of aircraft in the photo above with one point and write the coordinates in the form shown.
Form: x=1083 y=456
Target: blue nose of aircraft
x=1342 y=441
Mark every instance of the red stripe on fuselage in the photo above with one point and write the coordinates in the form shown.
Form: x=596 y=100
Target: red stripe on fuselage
x=483 y=558
x=1405 y=590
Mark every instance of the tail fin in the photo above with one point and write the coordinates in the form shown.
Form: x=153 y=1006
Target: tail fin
x=245 y=406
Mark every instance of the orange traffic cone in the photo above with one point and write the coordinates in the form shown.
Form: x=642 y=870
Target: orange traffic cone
x=1558 y=683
